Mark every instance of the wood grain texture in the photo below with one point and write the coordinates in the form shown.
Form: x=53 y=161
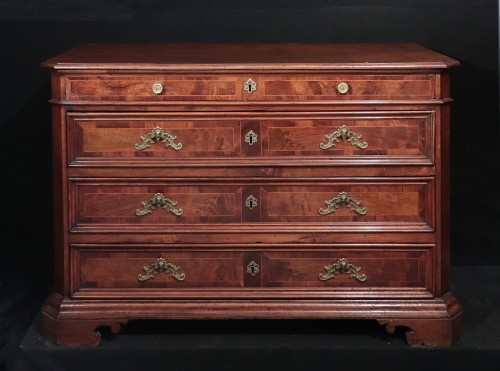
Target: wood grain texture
x=113 y=270
x=104 y=138
x=437 y=321
x=209 y=57
x=396 y=204
x=396 y=112
x=283 y=87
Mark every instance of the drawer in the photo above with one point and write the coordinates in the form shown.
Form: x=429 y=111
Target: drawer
x=361 y=137
x=103 y=267
x=135 y=271
x=110 y=139
x=152 y=87
x=129 y=204
x=248 y=87
x=147 y=138
x=346 y=268
x=348 y=87
x=356 y=203
x=396 y=204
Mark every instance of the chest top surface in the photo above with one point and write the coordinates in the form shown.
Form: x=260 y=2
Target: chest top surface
x=255 y=56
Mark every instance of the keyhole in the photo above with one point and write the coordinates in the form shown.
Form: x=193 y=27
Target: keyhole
x=250 y=86
x=251 y=138
x=251 y=202
x=253 y=268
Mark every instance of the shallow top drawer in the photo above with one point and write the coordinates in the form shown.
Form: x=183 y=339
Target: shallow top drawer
x=247 y=87
x=118 y=87
x=348 y=87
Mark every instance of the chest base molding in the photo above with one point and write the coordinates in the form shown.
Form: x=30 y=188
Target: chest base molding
x=431 y=322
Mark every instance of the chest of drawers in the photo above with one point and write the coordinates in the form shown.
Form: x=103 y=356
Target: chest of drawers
x=251 y=181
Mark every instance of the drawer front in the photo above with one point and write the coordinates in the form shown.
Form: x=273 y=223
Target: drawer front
x=104 y=268
x=133 y=204
x=358 y=203
x=346 y=268
x=156 y=272
x=369 y=137
x=348 y=87
x=126 y=87
x=369 y=205
x=124 y=138
x=149 y=138
x=256 y=87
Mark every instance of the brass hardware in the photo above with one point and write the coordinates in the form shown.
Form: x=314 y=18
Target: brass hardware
x=343 y=133
x=251 y=202
x=251 y=138
x=161 y=266
x=341 y=267
x=157 y=88
x=250 y=86
x=253 y=268
x=343 y=199
x=343 y=88
x=156 y=135
x=159 y=200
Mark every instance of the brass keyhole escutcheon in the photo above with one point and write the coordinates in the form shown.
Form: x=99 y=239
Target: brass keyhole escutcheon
x=250 y=86
x=253 y=268
x=251 y=138
x=251 y=202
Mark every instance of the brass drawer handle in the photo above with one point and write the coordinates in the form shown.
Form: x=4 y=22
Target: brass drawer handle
x=343 y=199
x=158 y=200
x=156 y=135
x=342 y=267
x=343 y=88
x=157 y=88
x=161 y=266
x=346 y=134
x=250 y=86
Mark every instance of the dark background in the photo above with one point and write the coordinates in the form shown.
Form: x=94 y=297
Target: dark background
x=32 y=31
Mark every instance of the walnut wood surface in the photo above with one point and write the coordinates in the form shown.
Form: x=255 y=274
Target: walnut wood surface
x=394 y=203
x=100 y=270
x=283 y=87
x=103 y=138
x=397 y=101
x=241 y=56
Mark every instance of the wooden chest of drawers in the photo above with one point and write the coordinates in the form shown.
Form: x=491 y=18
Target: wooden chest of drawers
x=251 y=181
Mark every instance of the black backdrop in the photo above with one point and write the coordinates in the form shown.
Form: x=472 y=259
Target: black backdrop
x=32 y=31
